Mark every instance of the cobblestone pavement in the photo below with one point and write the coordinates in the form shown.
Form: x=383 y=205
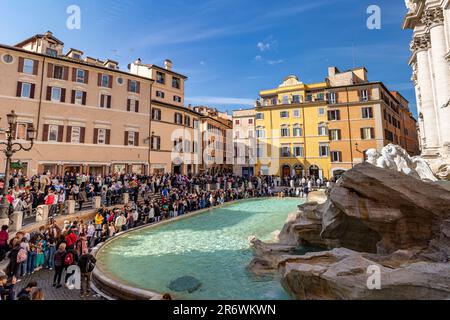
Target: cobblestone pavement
x=44 y=278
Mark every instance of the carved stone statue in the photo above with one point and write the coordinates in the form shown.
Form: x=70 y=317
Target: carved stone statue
x=396 y=158
x=410 y=5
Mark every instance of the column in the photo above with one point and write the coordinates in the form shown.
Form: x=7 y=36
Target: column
x=434 y=19
x=421 y=44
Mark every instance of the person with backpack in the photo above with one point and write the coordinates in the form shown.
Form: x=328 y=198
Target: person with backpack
x=58 y=263
x=87 y=265
x=71 y=239
x=70 y=259
x=4 y=237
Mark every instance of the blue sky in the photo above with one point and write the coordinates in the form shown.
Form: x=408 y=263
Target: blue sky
x=229 y=49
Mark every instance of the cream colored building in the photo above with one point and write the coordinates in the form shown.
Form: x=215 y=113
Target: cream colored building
x=244 y=138
x=90 y=116
x=430 y=61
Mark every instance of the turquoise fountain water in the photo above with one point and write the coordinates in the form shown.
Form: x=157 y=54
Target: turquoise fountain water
x=211 y=247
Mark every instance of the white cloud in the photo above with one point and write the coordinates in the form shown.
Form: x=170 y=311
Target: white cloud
x=274 y=62
x=259 y=58
x=220 y=100
x=263 y=46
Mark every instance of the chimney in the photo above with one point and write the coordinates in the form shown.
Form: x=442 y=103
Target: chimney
x=332 y=71
x=168 y=64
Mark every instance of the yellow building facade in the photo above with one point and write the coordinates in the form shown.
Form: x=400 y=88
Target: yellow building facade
x=291 y=130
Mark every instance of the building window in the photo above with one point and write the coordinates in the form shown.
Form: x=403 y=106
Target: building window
x=105 y=101
x=28 y=66
x=284 y=114
x=298 y=151
x=187 y=121
x=237 y=134
x=56 y=94
x=176 y=82
x=105 y=81
x=58 y=72
x=21 y=131
x=237 y=122
x=367 y=133
x=297 y=131
x=101 y=137
x=336 y=156
x=285 y=99
x=160 y=77
x=320 y=97
x=250 y=121
x=367 y=113
x=309 y=97
x=53 y=133
x=131 y=138
x=324 y=150
x=285 y=132
x=178 y=118
x=196 y=124
x=160 y=94
x=177 y=99
x=250 y=134
x=156 y=143
x=260 y=133
x=52 y=52
x=156 y=114
x=323 y=129
x=26 y=90
x=389 y=135
x=332 y=97
x=274 y=101
x=133 y=86
x=285 y=151
x=321 y=112
x=364 y=95
x=335 y=135
x=81 y=74
x=296 y=98
x=260 y=116
x=334 y=115
x=187 y=146
x=79 y=97
x=75 y=135
x=297 y=113
x=8 y=59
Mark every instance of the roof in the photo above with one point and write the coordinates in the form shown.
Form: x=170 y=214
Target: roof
x=75 y=61
x=48 y=35
x=154 y=66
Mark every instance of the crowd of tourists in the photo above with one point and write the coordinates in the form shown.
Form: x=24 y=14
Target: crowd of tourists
x=153 y=199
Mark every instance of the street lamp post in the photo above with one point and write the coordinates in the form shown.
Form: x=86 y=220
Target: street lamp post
x=10 y=148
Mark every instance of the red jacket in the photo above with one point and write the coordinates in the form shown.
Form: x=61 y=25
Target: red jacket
x=71 y=239
x=3 y=238
x=50 y=199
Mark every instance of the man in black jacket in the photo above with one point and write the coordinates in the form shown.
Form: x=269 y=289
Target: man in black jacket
x=86 y=263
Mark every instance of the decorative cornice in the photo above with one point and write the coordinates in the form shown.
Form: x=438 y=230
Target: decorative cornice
x=433 y=17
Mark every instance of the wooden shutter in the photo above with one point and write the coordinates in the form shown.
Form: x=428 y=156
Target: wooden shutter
x=35 y=67
x=339 y=134
x=86 y=76
x=69 y=134
x=138 y=87
x=66 y=73
x=136 y=139
x=21 y=63
x=110 y=82
x=99 y=80
x=32 y=90
x=28 y=128
x=158 y=143
x=50 y=70
x=45 y=133
x=125 y=139
x=84 y=99
x=95 y=136
x=72 y=99
x=63 y=95
x=108 y=136
x=129 y=85
x=82 y=134
x=108 y=103
x=372 y=133
x=49 y=93
x=128 y=104
x=19 y=89
x=74 y=74
x=60 y=133
x=362 y=133
x=102 y=100
x=137 y=107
